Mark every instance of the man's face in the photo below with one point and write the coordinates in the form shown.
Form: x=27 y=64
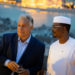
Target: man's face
x=57 y=30
x=24 y=28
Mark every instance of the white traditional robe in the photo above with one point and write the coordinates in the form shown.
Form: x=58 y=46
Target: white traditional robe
x=61 y=59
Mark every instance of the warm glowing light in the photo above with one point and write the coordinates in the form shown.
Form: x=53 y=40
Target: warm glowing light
x=40 y=3
x=74 y=6
x=14 y=2
x=4 y=0
x=68 y=4
x=28 y=3
x=18 y=4
x=1 y=0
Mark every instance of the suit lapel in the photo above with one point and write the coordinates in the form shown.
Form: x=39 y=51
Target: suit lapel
x=14 y=47
x=27 y=51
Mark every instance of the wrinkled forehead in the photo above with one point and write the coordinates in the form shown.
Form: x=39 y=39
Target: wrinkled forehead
x=23 y=20
x=58 y=24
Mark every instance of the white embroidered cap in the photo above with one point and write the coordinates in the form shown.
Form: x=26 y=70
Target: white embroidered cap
x=62 y=19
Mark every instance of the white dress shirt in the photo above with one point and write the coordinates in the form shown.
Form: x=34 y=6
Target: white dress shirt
x=21 y=48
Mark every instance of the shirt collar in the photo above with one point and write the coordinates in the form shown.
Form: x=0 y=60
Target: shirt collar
x=27 y=41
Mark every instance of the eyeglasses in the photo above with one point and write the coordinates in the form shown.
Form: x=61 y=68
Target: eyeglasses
x=56 y=27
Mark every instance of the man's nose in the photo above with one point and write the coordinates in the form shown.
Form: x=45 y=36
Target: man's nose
x=21 y=27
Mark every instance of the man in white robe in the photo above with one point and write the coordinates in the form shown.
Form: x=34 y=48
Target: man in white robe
x=61 y=59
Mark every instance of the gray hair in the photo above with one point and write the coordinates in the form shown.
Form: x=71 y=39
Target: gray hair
x=27 y=17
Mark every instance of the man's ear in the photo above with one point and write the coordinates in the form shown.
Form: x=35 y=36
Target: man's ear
x=32 y=27
x=65 y=28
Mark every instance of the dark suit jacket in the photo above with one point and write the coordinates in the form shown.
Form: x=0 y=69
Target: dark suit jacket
x=31 y=59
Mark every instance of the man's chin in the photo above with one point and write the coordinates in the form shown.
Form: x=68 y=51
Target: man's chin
x=54 y=36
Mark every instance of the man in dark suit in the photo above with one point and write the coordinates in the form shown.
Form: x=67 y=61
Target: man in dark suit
x=21 y=53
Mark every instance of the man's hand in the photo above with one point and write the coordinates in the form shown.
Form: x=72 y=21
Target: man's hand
x=13 y=66
x=25 y=72
x=22 y=71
